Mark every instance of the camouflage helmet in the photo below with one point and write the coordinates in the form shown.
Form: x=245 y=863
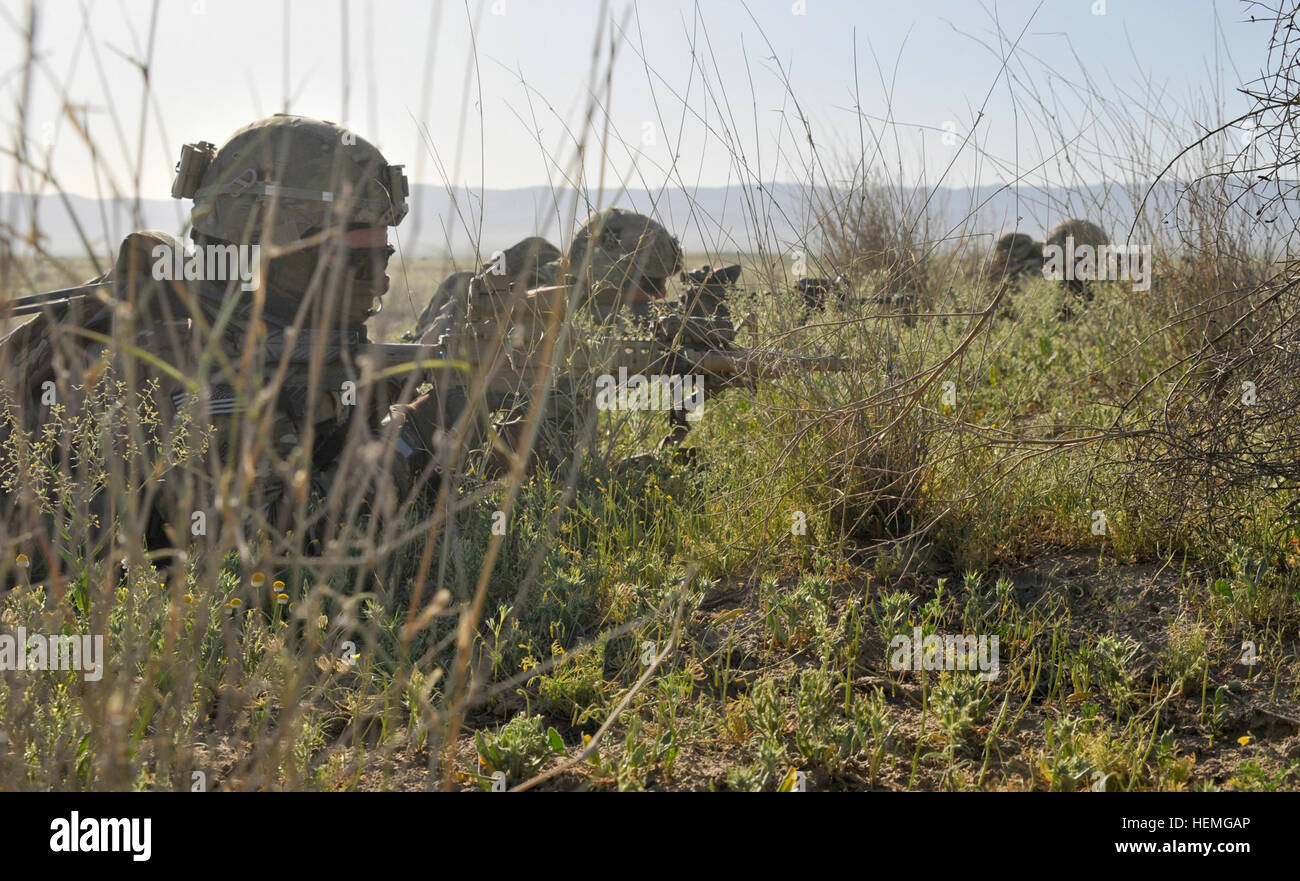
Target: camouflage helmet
x=1084 y=232
x=1014 y=243
x=623 y=249
x=527 y=261
x=1014 y=255
x=316 y=174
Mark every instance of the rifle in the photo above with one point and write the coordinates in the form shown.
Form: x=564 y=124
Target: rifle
x=297 y=345
x=34 y=303
x=504 y=331
x=651 y=355
x=507 y=325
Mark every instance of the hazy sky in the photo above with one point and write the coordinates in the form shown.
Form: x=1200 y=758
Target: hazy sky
x=705 y=93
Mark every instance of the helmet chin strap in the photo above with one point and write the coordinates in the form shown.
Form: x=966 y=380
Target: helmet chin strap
x=353 y=292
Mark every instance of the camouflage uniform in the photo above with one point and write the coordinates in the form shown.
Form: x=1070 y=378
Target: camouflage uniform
x=617 y=257
x=530 y=263
x=1015 y=255
x=1080 y=232
x=445 y=310
x=269 y=375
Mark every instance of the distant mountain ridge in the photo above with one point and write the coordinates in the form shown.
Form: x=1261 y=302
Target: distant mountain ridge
x=772 y=217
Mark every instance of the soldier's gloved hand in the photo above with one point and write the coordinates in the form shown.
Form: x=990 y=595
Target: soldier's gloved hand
x=414 y=431
x=429 y=426
x=398 y=431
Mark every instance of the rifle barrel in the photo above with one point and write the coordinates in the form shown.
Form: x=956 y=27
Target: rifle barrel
x=759 y=363
x=33 y=303
x=66 y=293
x=640 y=355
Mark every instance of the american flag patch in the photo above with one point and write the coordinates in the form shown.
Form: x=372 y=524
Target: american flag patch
x=221 y=401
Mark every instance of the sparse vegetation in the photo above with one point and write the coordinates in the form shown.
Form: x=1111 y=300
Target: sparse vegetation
x=629 y=617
